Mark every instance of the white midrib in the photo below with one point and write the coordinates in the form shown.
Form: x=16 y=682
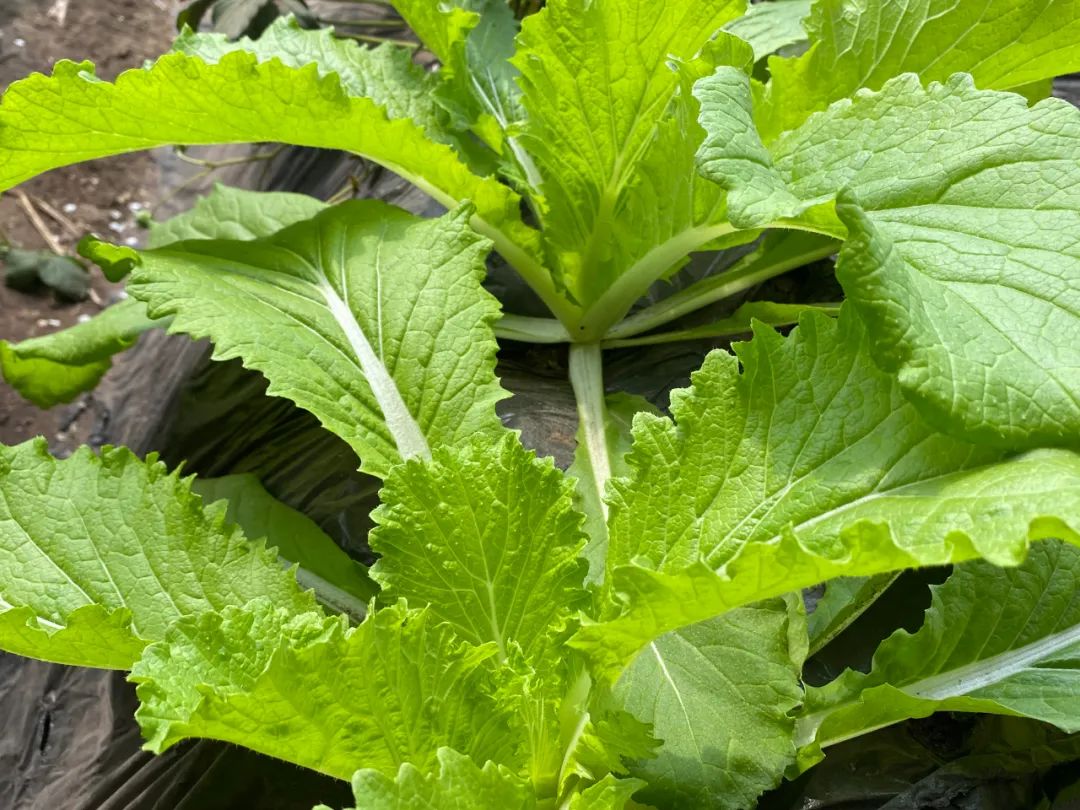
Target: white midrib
x=957 y=682
x=989 y=671
x=409 y=439
x=678 y=696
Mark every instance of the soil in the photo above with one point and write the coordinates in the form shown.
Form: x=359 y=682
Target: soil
x=102 y=197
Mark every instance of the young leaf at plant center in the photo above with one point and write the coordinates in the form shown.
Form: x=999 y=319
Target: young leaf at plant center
x=609 y=793
x=720 y=696
x=588 y=138
x=311 y=690
x=1004 y=44
x=474 y=40
x=359 y=315
x=994 y=640
x=297 y=539
x=99 y=555
x=772 y=25
x=487 y=535
x=598 y=739
x=51 y=369
x=960 y=261
x=52 y=121
x=619 y=411
x=460 y=784
x=805 y=466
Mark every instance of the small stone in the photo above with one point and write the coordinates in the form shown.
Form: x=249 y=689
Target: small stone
x=19 y=42
x=114 y=214
x=70 y=208
x=117 y=227
x=131 y=241
x=83 y=317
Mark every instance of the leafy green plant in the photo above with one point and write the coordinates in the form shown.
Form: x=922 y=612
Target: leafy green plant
x=631 y=628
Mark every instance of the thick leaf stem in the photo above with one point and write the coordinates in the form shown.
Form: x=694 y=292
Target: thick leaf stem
x=329 y=595
x=742 y=276
x=713 y=330
x=587 y=379
x=531 y=330
x=531 y=271
x=631 y=285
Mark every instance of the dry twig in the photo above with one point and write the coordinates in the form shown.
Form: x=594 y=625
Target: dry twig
x=39 y=225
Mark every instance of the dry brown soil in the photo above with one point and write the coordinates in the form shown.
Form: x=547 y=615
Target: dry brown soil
x=115 y=35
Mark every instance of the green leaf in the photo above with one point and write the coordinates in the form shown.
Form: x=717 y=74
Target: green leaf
x=620 y=409
x=312 y=691
x=844 y=600
x=863 y=43
x=487 y=535
x=599 y=738
x=1004 y=641
x=720 y=696
x=770 y=26
x=442 y=27
x=590 y=136
x=474 y=40
x=387 y=74
x=295 y=536
x=56 y=368
x=804 y=466
x=370 y=318
x=52 y=121
x=459 y=785
x=961 y=261
x=609 y=793
x=100 y=555
x=236 y=213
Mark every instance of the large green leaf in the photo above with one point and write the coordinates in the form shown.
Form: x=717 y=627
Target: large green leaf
x=961 y=261
x=810 y=430
x=311 y=690
x=805 y=466
x=720 y=696
x=487 y=535
x=1005 y=44
x=459 y=785
x=598 y=87
x=370 y=318
x=99 y=555
x=1005 y=641
x=52 y=121
x=294 y=535
x=51 y=369
x=386 y=74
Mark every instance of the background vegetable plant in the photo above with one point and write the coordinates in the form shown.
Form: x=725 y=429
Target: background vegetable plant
x=535 y=638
